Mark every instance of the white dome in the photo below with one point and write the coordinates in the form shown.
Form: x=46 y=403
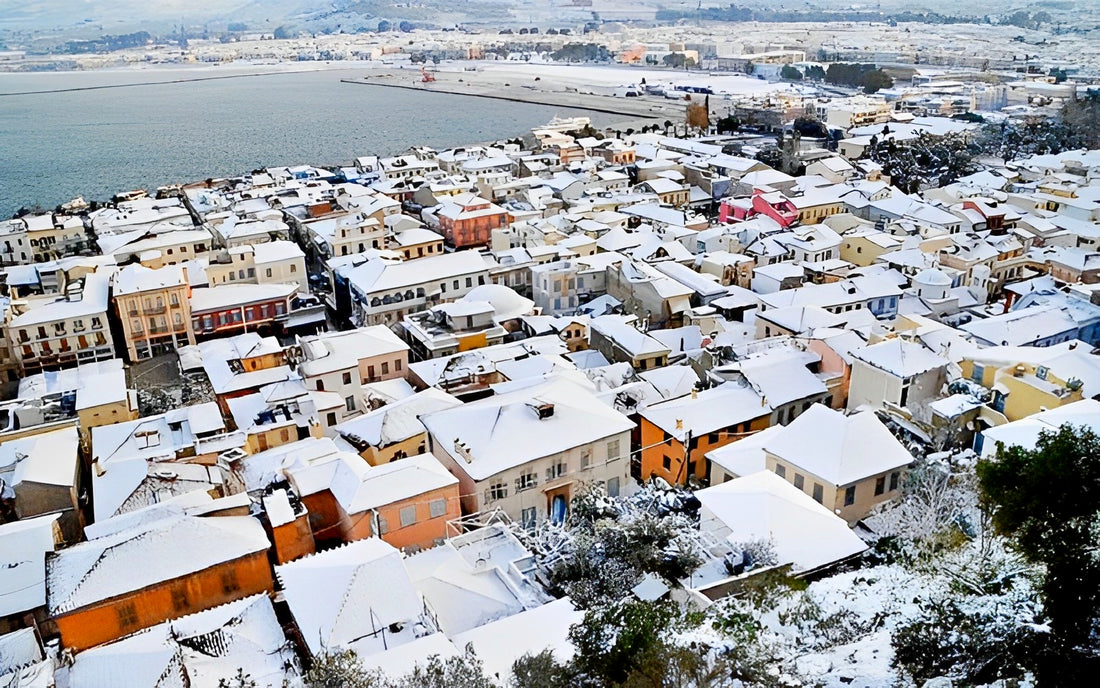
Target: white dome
x=933 y=278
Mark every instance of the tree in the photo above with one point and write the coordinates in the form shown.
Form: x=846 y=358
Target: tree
x=340 y=669
x=282 y=33
x=790 y=73
x=541 y=670
x=876 y=80
x=1047 y=501
x=815 y=73
x=405 y=27
x=613 y=641
x=461 y=671
x=385 y=26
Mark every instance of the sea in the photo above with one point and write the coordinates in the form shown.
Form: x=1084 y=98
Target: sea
x=96 y=133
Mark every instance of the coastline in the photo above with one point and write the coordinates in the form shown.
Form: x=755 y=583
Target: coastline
x=636 y=109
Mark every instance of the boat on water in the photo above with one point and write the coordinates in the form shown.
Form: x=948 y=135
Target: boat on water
x=563 y=124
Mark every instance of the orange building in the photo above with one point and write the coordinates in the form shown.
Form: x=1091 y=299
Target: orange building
x=677 y=433
x=469 y=220
x=111 y=586
x=407 y=502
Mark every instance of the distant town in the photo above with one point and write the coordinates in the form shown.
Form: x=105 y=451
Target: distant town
x=768 y=385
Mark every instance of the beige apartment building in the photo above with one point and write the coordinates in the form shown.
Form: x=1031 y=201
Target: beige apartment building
x=60 y=331
x=273 y=262
x=154 y=309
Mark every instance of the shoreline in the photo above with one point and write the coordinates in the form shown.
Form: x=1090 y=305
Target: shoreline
x=634 y=110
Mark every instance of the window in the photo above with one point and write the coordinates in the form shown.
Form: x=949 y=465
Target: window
x=284 y=435
x=781 y=470
x=529 y=517
x=799 y=480
x=612 y=487
x=293 y=267
x=498 y=490
x=437 y=507
x=408 y=516
x=179 y=599
x=526 y=481
x=330 y=418
x=397 y=365
x=850 y=496
x=349 y=402
x=712 y=437
x=586 y=458
x=127 y=616
x=895 y=478
x=880 y=485
x=613 y=450
x=556 y=471
x=229 y=581
x=819 y=493
x=469 y=282
x=370 y=372
x=267 y=272
x=455 y=283
x=666 y=463
x=385 y=367
x=347 y=378
x=320 y=385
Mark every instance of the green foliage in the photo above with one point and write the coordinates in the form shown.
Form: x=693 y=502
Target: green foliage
x=462 y=671
x=926 y=161
x=340 y=669
x=728 y=124
x=866 y=76
x=815 y=73
x=678 y=60
x=581 y=52
x=978 y=645
x=1047 y=501
x=613 y=641
x=541 y=670
x=790 y=73
x=1030 y=136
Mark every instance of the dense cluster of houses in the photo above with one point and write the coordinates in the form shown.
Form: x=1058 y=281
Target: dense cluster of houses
x=413 y=358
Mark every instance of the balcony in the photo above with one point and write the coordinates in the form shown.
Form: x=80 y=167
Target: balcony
x=154 y=310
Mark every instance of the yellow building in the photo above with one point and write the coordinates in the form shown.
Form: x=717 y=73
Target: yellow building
x=1022 y=389
x=154 y=309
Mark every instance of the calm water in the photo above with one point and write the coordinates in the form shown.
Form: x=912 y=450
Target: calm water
x=94 y=143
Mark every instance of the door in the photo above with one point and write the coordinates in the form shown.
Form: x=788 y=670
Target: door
x=559 y=508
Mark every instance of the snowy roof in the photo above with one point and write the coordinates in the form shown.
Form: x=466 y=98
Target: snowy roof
x=475 y=578
x=377 y=275
x=49 y=458
x=900 y=357
x=500 y=643
x=360 y=487
x=1025 y=432
x=341 y=595
x=138 y=278
x=710 y=410
x=332 y=351
x=200 y=650
x=1024 y=326
x=23 y=547
x=781 y=375
x=746 y=455
x=399 y=661
x=146 y=555
x=845 y=449
x=94 y=300
x=763 y=506
x=232 y=295
x=506 y=430
x=396 y=421
x=19 y=649
x=622 y=333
